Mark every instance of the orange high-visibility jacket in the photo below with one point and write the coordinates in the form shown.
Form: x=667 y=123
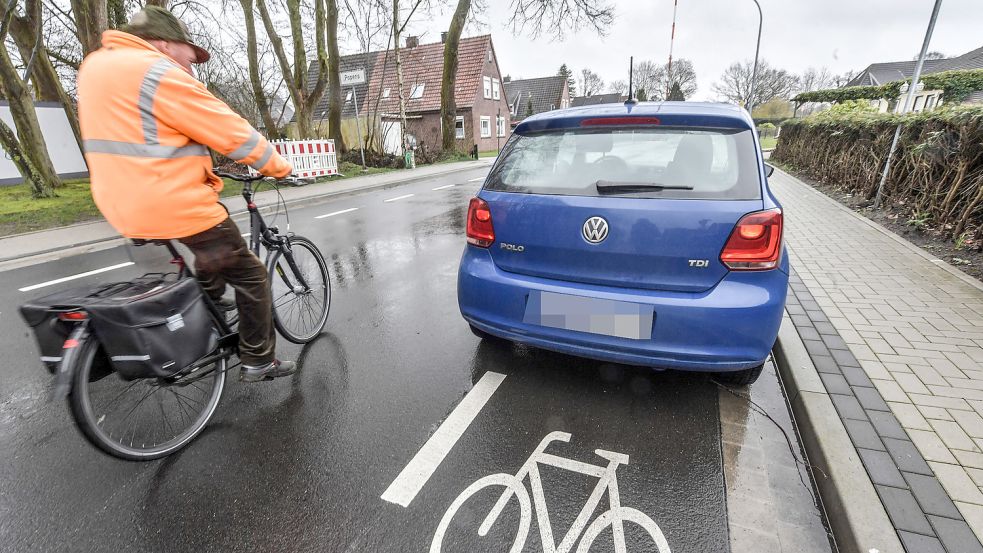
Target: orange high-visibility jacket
x=145 y=126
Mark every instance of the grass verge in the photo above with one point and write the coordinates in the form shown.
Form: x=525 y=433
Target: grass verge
x=768 y=143
x=19 y=212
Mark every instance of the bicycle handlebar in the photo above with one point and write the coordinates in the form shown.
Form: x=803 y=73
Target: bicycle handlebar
x=240 y=177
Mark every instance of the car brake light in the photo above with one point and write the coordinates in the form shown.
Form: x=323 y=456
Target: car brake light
x=480 y=230
x=70 y=343
x=620 y=121
x=756 y=242
x=73 y=316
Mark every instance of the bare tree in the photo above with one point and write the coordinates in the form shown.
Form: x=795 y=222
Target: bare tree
x=304 y=99
x=815 y=79
x=27 y=148
x=399 y=25
x=91 y=19
x=531 y=17
x=735 y=83
x=590 y=82
x=367 y=21
x=448 y=108
x=682 y=76
x=647 y=79
x=255 y=81
x=335 y=97
x=618 y=87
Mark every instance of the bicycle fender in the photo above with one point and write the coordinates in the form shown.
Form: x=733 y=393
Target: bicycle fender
x=66 y=368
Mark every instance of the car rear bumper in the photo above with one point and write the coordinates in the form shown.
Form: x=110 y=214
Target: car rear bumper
x=730 y=327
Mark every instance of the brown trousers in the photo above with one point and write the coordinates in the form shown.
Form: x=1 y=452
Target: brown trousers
x=222 y=257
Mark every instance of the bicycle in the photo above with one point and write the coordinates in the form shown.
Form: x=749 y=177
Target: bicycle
x=301 y=302
x=615 y=517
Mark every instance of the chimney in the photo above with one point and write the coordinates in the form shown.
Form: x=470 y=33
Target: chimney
x=507 y=79
x=443 y=37
x=412 y=41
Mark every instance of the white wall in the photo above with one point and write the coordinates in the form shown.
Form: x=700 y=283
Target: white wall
x=62 y=148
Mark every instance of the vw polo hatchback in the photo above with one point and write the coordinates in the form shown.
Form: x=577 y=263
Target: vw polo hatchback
x=637 y=233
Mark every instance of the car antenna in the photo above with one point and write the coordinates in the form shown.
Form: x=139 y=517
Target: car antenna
x=631 y=74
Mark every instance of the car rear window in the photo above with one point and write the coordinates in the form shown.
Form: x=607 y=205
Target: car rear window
x=715 y=163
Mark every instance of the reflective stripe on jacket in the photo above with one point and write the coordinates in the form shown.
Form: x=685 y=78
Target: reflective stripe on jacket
x=145 y=126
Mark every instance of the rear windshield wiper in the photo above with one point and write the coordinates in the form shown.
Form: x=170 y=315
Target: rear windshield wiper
x=618 y=186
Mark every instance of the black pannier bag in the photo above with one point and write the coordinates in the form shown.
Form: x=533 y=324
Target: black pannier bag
x=155 y=332
x=41 y=315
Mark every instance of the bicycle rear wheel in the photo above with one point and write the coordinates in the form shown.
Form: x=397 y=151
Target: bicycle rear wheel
x=301 y=291
x=144 y=419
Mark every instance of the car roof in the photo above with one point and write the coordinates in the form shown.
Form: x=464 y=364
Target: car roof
x=685 y=114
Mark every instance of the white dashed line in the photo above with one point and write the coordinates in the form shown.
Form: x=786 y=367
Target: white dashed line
x=444 y=187
x=333 y=213
x=403 y=197
x=477 y=179
x=246 y=234
x=416 y=473
x=73 y=277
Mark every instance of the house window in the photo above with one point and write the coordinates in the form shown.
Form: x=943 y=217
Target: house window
x=485 y=126
x=500 y=126
x=385 y=93
x=930 y=101
x=496 y=89
x=459 y=127
x=417 y=91
x=919 y=103
x=487 y=81
x=489 y=56
x=348 y=97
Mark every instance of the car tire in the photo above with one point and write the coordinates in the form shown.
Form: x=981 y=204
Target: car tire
x=740 y=378
x=484 y=335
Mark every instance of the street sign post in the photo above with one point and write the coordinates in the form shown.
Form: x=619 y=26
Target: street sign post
x=354 y=78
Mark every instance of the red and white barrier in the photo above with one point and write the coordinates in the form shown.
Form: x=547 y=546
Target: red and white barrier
x=309 y=158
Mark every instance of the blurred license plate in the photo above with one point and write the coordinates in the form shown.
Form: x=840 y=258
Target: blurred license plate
x=594 y=315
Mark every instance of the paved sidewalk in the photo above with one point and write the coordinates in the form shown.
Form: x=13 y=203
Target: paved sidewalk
x=98 y=234
x=914 y=326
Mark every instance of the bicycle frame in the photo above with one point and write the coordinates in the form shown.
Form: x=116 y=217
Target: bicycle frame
x=261 y=234
x=607 y=482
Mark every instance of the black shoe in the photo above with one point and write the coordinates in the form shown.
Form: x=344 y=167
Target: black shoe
x=251 y=373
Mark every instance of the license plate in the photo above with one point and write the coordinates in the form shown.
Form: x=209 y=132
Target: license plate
x=594 y=315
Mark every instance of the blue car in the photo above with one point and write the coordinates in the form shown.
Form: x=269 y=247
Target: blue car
x=636 y=233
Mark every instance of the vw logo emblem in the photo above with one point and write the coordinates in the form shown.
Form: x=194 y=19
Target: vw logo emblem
x=595 y=230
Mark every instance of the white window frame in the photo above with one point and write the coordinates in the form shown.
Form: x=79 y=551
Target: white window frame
x=500 y=126
x=385 y=92
x=459 y=130
x=487 y=83
x=496 y=89
x=417 y=91
x=485 y=126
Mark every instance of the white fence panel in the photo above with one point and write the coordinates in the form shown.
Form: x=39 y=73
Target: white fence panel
x=58 y=135
x=309 y=158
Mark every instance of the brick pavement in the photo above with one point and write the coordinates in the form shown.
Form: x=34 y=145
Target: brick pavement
x=915 y=329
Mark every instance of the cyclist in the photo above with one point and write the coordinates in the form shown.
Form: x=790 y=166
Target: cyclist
x=146 y=122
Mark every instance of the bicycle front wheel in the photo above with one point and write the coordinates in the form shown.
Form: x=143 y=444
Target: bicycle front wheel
x=301 y=290
x=143 y=419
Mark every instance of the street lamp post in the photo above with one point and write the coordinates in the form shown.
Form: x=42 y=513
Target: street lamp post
x=912 y=88
x=754 y=71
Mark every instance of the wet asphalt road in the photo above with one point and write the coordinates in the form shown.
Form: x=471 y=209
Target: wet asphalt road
x=300 y=464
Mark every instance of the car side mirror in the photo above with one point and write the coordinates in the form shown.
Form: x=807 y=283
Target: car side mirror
x=769 y=169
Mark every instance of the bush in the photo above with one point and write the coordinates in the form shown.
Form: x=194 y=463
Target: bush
x=937 y=172
x=767 y=129
x=372 y=159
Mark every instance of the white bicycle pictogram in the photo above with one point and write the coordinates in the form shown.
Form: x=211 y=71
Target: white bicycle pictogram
x=615 y=517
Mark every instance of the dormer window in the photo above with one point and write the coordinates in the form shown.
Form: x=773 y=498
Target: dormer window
x=417 y=91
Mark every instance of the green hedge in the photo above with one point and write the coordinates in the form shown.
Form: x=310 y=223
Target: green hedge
x=955 y=86
x=937 y=172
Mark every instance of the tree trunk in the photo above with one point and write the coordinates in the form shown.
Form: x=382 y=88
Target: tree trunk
x=335 y=94
x=47 y=85
x=34 y=163
x=252 y=55
x=397 y=32
x=448 y=108
x=91 y=19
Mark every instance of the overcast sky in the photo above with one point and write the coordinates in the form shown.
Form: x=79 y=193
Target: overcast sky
x=844 y=35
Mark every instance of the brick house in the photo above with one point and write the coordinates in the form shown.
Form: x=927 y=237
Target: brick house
x=482 y=110
x=531 y=96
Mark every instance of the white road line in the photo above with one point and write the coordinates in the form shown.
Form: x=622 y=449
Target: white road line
x=333 y=213
x=246 y=234
x=477 y=179
x=403 y=197
x=422 y=466
x=444 y=187
x=73 y=277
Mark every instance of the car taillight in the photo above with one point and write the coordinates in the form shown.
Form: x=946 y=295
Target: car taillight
x=756 y=242
x=73 y=316
x=480 y=230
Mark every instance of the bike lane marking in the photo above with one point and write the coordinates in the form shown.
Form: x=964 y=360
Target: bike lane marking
x=421 y=467
x=333 y=213
x=403 y=197
x=73 y=277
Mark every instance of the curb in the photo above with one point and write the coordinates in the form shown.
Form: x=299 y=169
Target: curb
x=8 y=263
x=941 y=263
x=855 y=513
